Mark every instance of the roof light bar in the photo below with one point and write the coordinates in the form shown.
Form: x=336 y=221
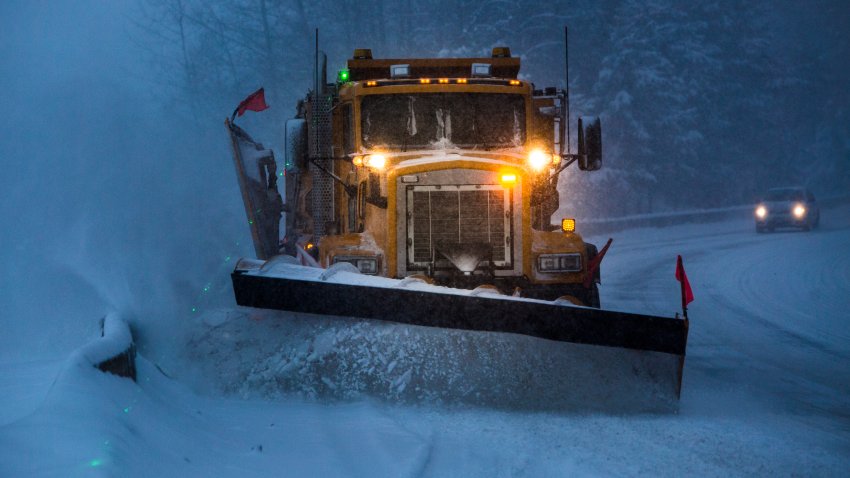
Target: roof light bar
x=443 y=81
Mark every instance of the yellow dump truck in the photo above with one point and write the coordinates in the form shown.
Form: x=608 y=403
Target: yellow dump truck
x=446 y=170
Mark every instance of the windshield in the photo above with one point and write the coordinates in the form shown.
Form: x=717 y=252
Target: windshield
x=426 y=120
x=785 y=195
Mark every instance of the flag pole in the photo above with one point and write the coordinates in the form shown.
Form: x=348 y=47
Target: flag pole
x=680 y=268
x=687 y=293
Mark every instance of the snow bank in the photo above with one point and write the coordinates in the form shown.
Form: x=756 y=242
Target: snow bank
x=97 y=424
x=114 y=352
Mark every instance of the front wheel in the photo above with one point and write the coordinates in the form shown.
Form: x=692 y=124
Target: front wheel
x=574 y=293
x=593 y=296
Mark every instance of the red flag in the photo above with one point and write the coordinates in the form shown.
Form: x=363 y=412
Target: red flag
x=256 y=101
x=687 y=293
x=594 y=264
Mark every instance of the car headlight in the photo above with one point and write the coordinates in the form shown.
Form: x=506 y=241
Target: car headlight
x=761 y=212
x=365 y=264
x=559 y=262
x=799 y=211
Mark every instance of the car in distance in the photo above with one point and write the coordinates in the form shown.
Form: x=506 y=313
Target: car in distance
x=787 y=207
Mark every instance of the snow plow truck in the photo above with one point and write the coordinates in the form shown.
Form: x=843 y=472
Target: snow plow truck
x=441 y=173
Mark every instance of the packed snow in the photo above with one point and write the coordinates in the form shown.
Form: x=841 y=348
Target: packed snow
x=255 y=393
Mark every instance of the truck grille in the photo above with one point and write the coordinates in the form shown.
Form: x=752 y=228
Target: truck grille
x=457 y=214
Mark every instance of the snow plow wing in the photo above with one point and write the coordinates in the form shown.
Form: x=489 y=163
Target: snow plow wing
x=649 y=348
x=257 y=174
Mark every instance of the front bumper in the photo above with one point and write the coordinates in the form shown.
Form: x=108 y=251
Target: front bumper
x=782 y=220
x=509 y=284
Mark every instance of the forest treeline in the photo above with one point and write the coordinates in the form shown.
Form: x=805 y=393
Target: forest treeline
x=703 y=104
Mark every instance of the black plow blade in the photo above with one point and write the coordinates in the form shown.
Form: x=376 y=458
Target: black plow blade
x=658 y=343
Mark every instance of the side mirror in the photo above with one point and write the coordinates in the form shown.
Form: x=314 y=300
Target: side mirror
x=589 y=144
x=296 y=144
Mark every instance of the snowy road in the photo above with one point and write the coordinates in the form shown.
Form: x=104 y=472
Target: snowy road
x=766 y=385
x=772 y=314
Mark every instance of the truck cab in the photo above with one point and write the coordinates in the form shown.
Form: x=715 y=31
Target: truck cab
x=444 y=169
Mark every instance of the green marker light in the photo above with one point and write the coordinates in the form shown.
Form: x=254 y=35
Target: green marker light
x=342 y=76
x=95 y=463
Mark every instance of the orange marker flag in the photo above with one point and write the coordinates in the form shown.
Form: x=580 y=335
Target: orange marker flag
x=594 y=264
x=256 y=101
x=687 y=293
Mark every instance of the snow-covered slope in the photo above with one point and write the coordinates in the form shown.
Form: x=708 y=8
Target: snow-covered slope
x=766 y=385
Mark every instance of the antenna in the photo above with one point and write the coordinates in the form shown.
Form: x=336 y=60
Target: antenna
x=567 y=86
x=316 y=89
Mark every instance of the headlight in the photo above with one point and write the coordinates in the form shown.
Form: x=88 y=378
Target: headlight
x=509 y=179
x=799 y=211
x=761 y=212
x=375 y=161
x=559 y=262
x=538 y=160
x=366 y=265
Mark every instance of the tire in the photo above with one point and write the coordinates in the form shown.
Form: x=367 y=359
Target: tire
x=593 y=297
x=759 y=230
x=591 y=252
x=575 y=293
